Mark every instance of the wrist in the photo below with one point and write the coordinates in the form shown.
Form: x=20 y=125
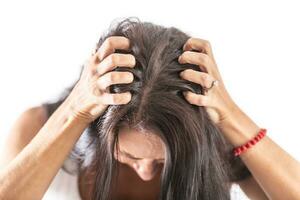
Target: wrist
x=66 y=114
x=238 y=128
x=81 y=109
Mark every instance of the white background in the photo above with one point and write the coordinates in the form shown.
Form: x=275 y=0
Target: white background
x=255 y=43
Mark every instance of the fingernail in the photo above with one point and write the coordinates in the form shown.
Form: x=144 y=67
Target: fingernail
x=179 y=58
x=181 y=74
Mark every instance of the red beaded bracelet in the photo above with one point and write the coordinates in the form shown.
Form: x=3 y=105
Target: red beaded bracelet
x=238 y=150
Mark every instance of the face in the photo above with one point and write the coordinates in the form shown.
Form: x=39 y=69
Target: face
x=144 y=152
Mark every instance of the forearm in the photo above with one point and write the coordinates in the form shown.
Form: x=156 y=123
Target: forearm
x=29 y=175
x=271 y=166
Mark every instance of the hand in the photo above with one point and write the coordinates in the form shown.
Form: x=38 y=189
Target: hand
x=216 y=100
x=90 y=96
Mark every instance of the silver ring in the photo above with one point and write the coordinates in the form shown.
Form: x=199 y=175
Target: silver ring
x=215 y=82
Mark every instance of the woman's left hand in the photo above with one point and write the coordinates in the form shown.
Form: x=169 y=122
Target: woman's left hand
x=283 y=170
x=216 y=100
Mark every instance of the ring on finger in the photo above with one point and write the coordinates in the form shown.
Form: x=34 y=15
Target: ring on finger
x=213 y=83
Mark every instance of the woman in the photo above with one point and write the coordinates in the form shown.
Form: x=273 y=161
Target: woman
x=135 y=127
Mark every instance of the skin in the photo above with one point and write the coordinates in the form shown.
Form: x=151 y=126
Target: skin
x=266 y=156
x=30 y=148
x=143 y=152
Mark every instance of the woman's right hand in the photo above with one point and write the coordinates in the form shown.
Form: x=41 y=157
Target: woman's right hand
x=90 y=96
x=54 y=140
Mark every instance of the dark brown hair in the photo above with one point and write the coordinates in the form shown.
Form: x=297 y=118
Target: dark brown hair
x=199 y=161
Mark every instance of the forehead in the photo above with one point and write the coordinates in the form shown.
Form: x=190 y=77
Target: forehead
x=141 y=144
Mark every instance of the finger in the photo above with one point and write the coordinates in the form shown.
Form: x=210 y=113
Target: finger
x=111 y=44
x=196 y=99
x=111 y=78
x=114 y=60
x=115 y=99
x=199 y=45
x=200 y=59
x=201 y=78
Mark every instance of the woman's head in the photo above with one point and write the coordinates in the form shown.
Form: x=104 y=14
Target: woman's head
x=159 y=117
x=143 y=151
x=158 y=131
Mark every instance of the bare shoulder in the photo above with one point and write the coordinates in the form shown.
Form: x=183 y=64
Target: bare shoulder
x=23 y=130
x=28 y=123
x=252 y=189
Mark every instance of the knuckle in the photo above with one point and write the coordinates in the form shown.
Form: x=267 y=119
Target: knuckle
x=99 y=86
x=121 y=98
x=206 y=44
x=98 y=70
x=185 y=56
x=201 y=101
x=205 y=59
x=181 y=58
x=113 y=59
x=205 y=79
x=190 y=40
x=86 y=68
x=99 y=81
x=188 y=72
x=109 y=41
x=115 y=99
x=114 y=77
x=185 y=72
x=96 y=91
x=124 y=76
